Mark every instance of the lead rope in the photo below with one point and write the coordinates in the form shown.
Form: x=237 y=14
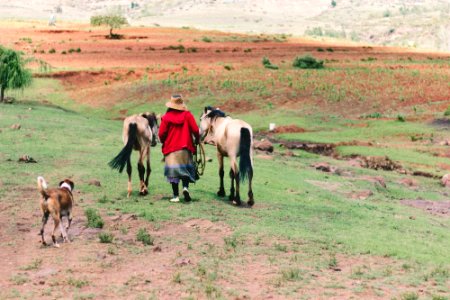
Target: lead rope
x=200 y=160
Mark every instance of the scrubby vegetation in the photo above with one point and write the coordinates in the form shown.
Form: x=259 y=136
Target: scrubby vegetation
x=307 y=62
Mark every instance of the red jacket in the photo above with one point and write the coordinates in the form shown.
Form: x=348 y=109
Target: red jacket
x=177 y=130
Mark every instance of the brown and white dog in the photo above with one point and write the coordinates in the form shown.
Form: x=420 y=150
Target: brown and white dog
x=58 y=203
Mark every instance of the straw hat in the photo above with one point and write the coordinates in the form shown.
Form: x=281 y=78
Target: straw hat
x=176 y=102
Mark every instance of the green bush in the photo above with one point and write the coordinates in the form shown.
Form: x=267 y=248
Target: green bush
x=447 y=112
x=206 y=39
x=144 y=237
x=267 y=64
x=401 y=118
x=307 y=62
x=106 y=237
x=93 y=218
x=52 y=51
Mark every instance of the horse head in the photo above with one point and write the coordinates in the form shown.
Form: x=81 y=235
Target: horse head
x=153 y=124
x=209 y=115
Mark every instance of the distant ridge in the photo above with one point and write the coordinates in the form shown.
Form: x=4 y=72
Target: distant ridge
x=408 y=23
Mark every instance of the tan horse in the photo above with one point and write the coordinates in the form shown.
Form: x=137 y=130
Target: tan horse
x=232 y=138
x=139 y=132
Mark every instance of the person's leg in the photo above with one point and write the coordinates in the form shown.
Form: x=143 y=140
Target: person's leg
x=186 y=195
x=175 y=191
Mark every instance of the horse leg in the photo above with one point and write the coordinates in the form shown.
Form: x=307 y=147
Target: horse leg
x=143 y=189
x=221 y=192
x=129 y=177
x=232 y=177
x=235 y=171
x=149 y=169
x=250 y=201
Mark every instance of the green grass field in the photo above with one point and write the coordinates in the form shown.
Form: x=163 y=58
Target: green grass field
x=293 y=214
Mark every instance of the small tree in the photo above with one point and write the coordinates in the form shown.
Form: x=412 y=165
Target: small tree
x=114 y=21
x=13 y=74
x=333 y=3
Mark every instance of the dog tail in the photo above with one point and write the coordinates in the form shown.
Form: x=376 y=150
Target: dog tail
x=245 y=161
x=42 y=187
x=121 y=159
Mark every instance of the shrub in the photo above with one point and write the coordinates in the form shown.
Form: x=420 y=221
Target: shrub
x=52 y=51
x=267 y=64
x=206 y=39
x=64 y=52
x=93 y=218
x=387 y=14
x=307 y=62
x=320 y=50
x=228 y=68
x=330 y=49
x=106 y=237
x=333 y=3
x=447 y=112
x=144 y=237
x=401 y=118
x=78 y=50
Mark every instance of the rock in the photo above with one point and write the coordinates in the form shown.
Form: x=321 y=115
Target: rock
x=445 y=181
x=289 y=153
x=182 y=262
x=263 y=145
x=94 y=182
x=16 y=126
x=361 y=195
x=380 y=162
x=157 y=249
x=408 y=182
x=445 y=143
x=324 y=167
x=26 y=159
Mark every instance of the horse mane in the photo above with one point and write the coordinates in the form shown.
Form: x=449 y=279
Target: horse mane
x=151 y=118
x=214 y=113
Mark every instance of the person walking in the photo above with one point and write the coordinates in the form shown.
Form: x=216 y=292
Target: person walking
x=179 y=134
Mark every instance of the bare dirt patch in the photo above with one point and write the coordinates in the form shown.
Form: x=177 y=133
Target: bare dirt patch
x=438 y=208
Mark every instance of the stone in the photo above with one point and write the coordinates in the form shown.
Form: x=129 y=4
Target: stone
x=408 y=182
x=16 y=126
x=445 y=181
x=94 y=182
x=263 y=145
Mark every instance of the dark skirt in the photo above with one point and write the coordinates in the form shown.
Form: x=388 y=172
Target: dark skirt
x=179 y=164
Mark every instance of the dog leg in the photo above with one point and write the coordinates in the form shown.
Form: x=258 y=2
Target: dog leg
x=69 y=218
x=57 y=222
x=63 y=232
x=44 y=221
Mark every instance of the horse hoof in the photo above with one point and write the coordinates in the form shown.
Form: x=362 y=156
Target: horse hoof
x=221 y=193
x=56 y=245
x=250 y=203
x=144 y=193
x=237 y=202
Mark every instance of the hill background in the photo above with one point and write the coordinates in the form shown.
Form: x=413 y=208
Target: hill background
x=409 y=23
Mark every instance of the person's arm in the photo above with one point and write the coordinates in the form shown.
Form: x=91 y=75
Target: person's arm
x=163 y=130
x=194 y=128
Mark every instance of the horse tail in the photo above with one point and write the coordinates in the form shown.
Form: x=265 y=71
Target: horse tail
x=121 y=159
x=245 y=161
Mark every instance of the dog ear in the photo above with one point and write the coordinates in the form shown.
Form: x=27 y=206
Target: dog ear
x=72 y=185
